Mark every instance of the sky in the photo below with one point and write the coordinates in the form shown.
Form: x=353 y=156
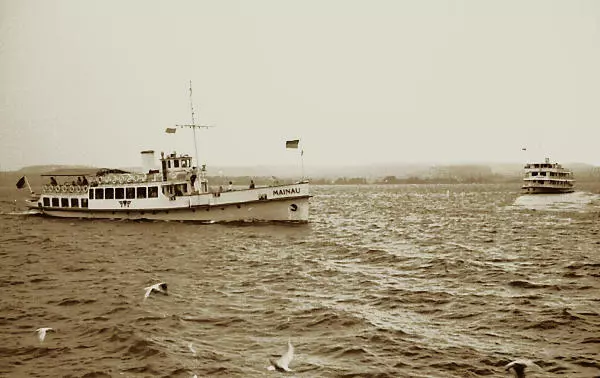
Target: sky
x=358 y=82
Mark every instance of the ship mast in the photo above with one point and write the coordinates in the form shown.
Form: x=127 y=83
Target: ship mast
x=193 y=126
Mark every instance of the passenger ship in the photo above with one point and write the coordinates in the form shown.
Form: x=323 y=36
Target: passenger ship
x=176 y=190
x=547 y=177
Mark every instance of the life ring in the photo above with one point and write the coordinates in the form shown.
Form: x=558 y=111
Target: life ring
x=46 y=189
x=130 y=180
x=63 y=188
x=85 y=188
x=71 y=189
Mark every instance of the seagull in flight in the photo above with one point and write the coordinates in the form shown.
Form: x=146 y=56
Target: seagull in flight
x=191 y=348
x=283 y=363
x=42 y=333
x=519 y=366
x=160 y=287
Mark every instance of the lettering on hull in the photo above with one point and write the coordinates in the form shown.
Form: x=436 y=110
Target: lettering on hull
x=283 y=192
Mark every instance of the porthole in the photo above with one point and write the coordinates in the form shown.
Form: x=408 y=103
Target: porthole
x=293 y=207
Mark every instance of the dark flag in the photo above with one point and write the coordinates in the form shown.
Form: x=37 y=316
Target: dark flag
x=292 y=143
x=170 y=130
x=21 y=183
x=524 y=149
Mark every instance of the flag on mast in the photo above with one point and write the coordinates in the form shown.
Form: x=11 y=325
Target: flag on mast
x=170 y=130
x=292 y=143
x=21 y=183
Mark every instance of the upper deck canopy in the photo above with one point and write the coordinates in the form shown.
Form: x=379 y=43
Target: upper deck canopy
x=83 y=172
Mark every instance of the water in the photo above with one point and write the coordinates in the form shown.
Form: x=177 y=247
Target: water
x=386 y=281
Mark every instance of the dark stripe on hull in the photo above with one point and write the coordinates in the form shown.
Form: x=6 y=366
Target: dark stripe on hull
x=548 y=190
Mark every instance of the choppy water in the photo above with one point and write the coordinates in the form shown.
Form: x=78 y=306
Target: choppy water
x=386 y=281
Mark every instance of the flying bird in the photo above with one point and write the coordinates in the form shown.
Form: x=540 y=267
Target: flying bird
x=283 y=363
x=42 y=333
x=519 y=366
x=160 y=287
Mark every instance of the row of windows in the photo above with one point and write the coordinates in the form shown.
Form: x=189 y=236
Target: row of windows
x=124 y=193
x=552 y=174
x=65 y=202
x=185 y=163
x=543 y=165
x=561 y=183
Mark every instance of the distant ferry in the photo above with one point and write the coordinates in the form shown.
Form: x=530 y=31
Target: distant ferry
x=177 y=190
x=547 y=177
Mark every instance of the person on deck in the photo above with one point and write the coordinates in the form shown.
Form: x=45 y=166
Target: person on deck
x=53 y=181
x=251 y=184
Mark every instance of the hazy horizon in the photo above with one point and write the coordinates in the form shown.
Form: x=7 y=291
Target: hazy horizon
x=387 y=82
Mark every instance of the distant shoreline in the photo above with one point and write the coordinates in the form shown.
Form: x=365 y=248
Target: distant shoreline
x=365 y=175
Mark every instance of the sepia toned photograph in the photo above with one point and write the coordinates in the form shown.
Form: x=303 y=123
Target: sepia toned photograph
x=284 y=188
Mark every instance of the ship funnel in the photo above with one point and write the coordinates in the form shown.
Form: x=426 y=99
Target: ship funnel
x=148 y=161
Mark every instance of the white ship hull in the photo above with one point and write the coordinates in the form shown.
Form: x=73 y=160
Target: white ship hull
x=285 y=203
x=546 y=189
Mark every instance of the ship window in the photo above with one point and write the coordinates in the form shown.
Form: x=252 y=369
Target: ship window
x=176 y=163
x=130 y=193
x=74 y=202
x=64 y=202
x=542 y=173
x=153 y=192
x=141 y=192
x=534 y=173
x=109 y=193
x=184 y=163
x=54 y=202
x=169 y=163
x=99 y=193
x=91 y=195
x=119 y=193
x=84 y=202
x=46 y=201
